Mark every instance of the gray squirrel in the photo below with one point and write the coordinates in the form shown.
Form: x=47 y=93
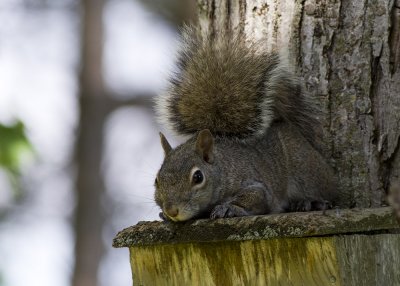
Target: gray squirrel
x=254 y=143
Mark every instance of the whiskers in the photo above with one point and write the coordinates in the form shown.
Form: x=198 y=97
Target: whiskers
x=194 y=209
x=141 y=200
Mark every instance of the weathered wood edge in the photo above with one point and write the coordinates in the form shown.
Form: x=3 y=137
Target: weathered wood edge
x=333 y=222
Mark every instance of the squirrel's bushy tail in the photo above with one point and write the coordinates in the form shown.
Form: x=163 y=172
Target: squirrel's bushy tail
x=233 y=89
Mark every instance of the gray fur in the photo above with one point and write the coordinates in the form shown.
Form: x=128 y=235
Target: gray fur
x=278 y=172
x=232 y=88
x=260 y=154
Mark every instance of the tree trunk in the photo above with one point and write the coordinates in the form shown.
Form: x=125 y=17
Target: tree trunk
x=89 y=184
x=348 y=53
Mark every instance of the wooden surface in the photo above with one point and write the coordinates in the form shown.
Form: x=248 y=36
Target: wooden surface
x=335 y=260
x=369 y=259
x=259 y=227
x=348 y=53
x=265 y=262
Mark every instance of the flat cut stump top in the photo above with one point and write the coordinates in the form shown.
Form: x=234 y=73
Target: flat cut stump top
x=333 y=222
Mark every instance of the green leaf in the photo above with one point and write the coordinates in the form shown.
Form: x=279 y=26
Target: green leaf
x=14 y=146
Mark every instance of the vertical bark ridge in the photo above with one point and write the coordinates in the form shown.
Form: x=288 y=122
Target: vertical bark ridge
x=299 y=26
x=394 y=37
x=228 y=15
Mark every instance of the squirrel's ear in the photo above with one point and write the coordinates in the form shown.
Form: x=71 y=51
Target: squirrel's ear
x=164 y=143
x=205 y=145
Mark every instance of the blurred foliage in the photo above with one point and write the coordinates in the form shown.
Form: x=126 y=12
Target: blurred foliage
x=14 y=146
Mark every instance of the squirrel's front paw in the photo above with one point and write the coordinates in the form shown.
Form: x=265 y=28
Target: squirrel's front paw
x=227 y=210
x=163 y=217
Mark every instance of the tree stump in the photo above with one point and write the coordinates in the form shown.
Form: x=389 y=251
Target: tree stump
x=341 y=247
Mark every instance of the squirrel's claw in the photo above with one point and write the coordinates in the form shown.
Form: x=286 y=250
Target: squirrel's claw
x=227 y=210
x=306 y=206
x=162 y=216
x=218 y=212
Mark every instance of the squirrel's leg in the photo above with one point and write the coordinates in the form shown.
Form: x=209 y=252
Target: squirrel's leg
x=250 y=201
x=310 y=205
x=321 y=206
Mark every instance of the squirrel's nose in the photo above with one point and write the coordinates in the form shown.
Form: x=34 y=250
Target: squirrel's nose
x=171 y=211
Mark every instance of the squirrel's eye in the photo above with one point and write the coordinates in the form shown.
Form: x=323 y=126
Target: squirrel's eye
x=156 y=182
x=197 y=177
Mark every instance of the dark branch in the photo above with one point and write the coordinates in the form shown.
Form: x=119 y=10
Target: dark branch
x=137 y=100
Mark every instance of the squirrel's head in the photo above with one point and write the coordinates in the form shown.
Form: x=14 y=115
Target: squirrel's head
x=184 y=184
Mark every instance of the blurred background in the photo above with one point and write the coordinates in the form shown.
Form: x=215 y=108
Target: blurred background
x=79 y=146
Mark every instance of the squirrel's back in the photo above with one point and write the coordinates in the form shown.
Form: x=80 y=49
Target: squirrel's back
x=232 y=88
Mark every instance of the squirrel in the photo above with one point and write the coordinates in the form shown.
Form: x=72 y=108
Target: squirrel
x=253 y=146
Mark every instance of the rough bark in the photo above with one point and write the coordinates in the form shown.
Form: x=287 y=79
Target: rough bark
x=306 y=224
x=348 y=53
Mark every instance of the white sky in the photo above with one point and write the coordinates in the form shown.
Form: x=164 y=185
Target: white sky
x=38 y=62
